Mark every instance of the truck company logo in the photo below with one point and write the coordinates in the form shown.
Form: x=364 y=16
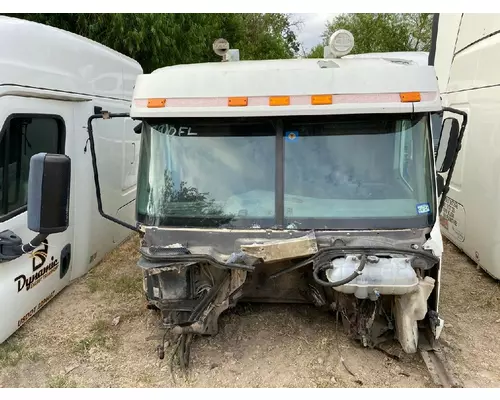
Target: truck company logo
x=41 y=270
x=39 y=256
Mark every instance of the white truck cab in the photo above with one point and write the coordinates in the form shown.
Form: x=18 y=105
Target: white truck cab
x=302 y=181
x=51 y=82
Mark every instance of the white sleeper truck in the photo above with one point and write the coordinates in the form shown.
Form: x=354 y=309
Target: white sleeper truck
x=467 y=49
x=51 y=81
x=299 y=181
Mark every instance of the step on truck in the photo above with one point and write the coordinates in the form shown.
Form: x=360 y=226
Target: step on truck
x=296 y=181
x=51 y=81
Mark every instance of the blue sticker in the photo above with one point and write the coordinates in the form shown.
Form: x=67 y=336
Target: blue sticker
x=292 y=136
x=423 y=208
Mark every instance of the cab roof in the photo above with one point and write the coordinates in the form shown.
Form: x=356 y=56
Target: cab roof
x=374 y=85
x=43 y=57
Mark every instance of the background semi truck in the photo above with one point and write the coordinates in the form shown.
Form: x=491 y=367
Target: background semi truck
x=51 y=81
x=466 y=55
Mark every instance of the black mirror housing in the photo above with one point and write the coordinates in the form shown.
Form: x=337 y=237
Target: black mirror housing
x=447 y=144
x=48 y=193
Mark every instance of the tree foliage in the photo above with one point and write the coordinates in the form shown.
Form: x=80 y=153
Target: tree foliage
x=316 y=51
x=157 y=40
x=381 y=32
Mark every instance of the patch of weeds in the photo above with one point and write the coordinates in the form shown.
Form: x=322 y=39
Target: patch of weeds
x=100 y=327
x=109 y=277
x=10 y=352
x=33 y=356
x=61 y=381
x=127 y=284
x=145 y=379
x=97 y=279
x=100 y=336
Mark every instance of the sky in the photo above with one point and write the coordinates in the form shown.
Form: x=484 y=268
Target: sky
x=313 y=26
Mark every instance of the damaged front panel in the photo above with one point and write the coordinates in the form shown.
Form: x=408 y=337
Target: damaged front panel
x=280 y=250
x=378 y=281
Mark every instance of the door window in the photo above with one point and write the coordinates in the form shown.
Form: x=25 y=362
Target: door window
x=22 y=137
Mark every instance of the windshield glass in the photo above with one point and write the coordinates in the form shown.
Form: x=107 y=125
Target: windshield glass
x=370 y=172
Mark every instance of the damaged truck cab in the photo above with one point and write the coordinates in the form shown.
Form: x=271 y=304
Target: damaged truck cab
x=297 y=181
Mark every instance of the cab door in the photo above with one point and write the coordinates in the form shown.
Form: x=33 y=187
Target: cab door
x=30 y=126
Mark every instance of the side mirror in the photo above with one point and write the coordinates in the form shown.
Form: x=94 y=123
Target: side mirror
x=48 y=193
x=447 y=144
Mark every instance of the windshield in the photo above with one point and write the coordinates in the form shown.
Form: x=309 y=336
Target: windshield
x=357 y=172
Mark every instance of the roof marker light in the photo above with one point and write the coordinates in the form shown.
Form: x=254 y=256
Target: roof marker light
x=237 y=101
x=279 y=101
x=156 y=103
x=322 y=99
x=410 y=97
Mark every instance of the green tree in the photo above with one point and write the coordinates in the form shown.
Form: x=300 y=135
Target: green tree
x=383 y=32
x=316 y=51
x=157 y=40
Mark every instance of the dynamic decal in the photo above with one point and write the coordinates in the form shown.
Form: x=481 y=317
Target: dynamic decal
x=41 y=269
x=39 y=256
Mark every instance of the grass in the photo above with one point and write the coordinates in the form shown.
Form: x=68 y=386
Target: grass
x=100 y=336
x=118 y=272
x=146 y=380
x=101 y=280
x=12 y=351
x=127 y=285
x=61 y=381
x=97 y=279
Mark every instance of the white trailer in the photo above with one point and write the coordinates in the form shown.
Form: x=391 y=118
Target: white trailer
x=51 y=81
x=466 y=54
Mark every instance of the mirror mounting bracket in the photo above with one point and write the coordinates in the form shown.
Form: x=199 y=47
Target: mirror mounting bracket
x=12 y=247
x=105 y=115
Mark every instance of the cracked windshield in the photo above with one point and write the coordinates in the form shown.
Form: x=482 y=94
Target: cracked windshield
x=207 y=173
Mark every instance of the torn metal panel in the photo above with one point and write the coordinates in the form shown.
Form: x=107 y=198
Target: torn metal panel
x=435 y=242
x=283 y=249
x=435 y=245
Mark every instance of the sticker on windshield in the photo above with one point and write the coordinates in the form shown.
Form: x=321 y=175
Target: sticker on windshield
x=423 y=208
x=292 y=136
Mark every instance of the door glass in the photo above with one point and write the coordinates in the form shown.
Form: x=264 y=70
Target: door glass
x=21 y=138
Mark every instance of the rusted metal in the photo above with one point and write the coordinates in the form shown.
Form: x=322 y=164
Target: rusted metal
x=283 y=249
x=435 y=360
x=439 y=369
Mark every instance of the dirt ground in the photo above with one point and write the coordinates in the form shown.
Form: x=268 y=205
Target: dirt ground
x=98 y=333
